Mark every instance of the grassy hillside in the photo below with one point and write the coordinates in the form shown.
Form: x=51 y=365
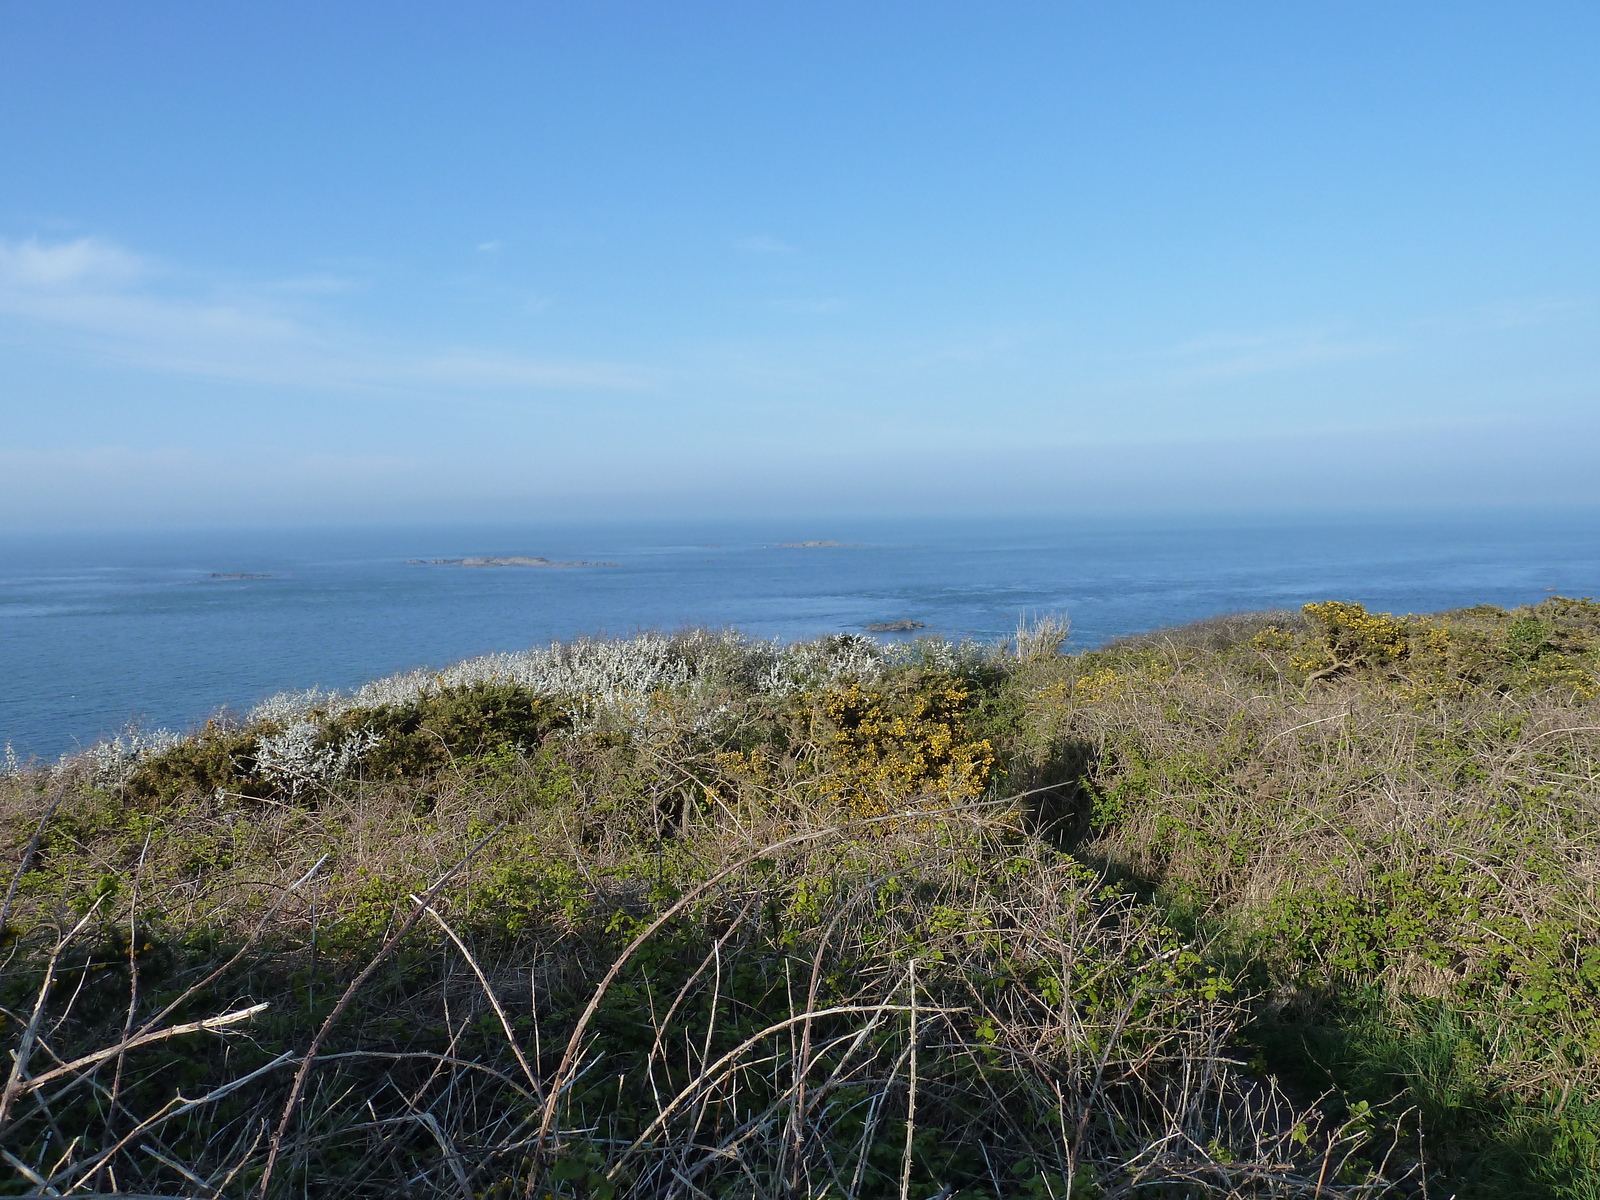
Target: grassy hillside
x=1288 y=904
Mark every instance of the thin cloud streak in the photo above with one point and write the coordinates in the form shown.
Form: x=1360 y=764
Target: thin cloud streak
x=1237 y=355
x=30 y=263
x=98 y=297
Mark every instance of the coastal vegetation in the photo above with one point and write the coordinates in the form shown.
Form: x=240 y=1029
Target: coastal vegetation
x=1299 y=904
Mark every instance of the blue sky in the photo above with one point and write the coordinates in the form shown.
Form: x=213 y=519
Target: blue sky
x=268 y=263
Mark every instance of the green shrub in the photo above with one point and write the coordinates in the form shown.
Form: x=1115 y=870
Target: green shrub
x=877 y=747
x=216 y=759
x=1371 y=839
x=442 y=728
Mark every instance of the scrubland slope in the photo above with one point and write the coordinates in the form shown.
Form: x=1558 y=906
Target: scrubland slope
x=1287 y=904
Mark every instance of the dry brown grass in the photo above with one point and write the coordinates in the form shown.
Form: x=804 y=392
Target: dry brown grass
x=593 y=971
x=726 y=941
x=1372 y=827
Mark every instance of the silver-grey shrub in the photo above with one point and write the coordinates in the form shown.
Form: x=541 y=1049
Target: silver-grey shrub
x=598 y=680
x=299 y=758
x=109 y=762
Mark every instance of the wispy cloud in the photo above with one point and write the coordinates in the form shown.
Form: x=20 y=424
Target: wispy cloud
x=93 y=296
x=1232 y=355
x=1509 y=314
x=80 y=263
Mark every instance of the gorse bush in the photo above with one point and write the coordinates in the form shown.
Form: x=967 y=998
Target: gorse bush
x=1457 y=653
x=1295 y=904
x=412 y=739
x=881 y=746
x=1347 y=635
x=217 y=759
x=435 y=730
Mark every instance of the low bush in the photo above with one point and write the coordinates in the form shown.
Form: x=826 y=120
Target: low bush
x=1387 y=825
x=880 y=747
x=440 y=729
x=1279 y=904
x=216 y=759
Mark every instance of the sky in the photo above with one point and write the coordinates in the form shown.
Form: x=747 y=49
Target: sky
x=309 y=263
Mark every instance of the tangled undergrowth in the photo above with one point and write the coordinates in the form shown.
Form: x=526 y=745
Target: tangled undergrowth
x=1288 y=904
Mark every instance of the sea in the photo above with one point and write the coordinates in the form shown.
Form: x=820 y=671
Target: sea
x=100 y=632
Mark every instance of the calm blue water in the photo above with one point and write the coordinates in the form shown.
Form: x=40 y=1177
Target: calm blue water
x=96 y=631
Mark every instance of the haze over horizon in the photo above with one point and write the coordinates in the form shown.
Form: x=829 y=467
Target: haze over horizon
x=305 y=264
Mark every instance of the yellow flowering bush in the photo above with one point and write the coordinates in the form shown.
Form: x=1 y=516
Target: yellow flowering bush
x=880 y=746
x=1553 y=644
x=1348 y=635
x=1099 y=685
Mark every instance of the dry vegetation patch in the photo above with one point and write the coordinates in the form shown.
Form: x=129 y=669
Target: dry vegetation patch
x=1368 y=814
x=696 y=916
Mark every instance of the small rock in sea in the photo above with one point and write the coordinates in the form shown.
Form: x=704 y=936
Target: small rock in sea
x=237 y=575
x=894 y=626
x=830 y=544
